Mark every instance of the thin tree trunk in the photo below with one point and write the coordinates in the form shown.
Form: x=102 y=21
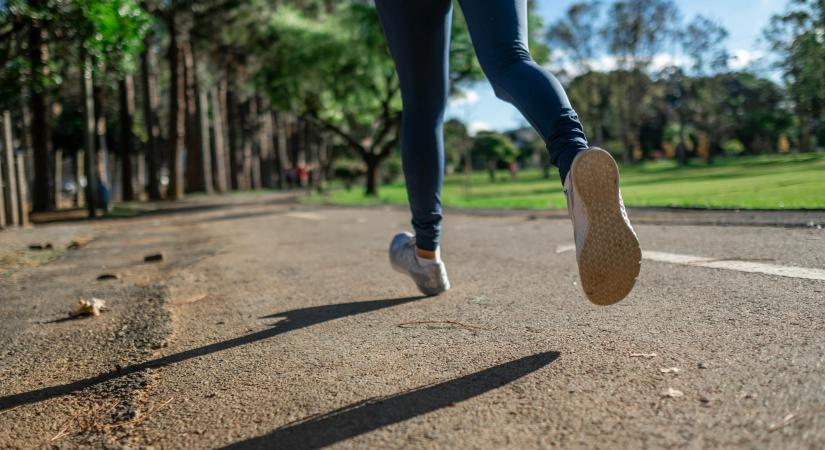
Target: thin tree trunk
x=79 y=173
x=220 y=148
x=267 y=138
x=89 y=136
x=284 y=165
x=252 y=162
x=195 y=177
x=40 y=127
x=235 y=149
x=150 y=102
x=2 y=202
x=206 y=145
x=323 y=164
x=22 y=191
x=102 y=152
x=126 y=90
x=8 y=167
x=58 y=177
x=27 y=138
x=177 y=115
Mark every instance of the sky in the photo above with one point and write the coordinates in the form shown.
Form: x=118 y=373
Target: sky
x=744 y=20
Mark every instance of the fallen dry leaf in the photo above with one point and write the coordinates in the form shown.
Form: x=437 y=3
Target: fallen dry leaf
x=91 y=307
x=669 y=370
x=673 y=393
x=642 y=355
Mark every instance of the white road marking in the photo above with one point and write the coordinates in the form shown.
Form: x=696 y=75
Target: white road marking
x=740 y=266
x=305 y=215
x=725 y=264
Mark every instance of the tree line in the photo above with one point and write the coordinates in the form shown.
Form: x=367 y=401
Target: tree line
x=154 y=99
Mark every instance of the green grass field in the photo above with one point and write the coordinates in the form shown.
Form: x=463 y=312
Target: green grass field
x=757 y=182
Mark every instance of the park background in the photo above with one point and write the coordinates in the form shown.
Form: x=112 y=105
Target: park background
x=110 y=106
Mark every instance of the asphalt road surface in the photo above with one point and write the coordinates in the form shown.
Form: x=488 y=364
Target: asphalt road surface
x=273 y=325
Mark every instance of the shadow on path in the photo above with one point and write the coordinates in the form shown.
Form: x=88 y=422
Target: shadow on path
x=359 y=418
x=293 y=320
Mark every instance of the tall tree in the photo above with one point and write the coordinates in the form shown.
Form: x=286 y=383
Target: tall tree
x=335 y=70
x=636 y=31
x=43 y=197
x=577 y=35
x=798 y=39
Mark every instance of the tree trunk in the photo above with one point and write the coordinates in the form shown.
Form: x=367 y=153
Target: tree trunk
x=89 y=135
x=150 y=102
x=8 y=167
x=323 y=164
x=220 y=148
x=27 y=138
x=235 y=150
x=40 y=127
x=79 y=173
x=101 y=155
x=22 y=192
x=195 y=177
x=284 y=165
x=177 y=115
x=251 y=160
x=373 y=162
x=2 y=203
x=266 y=152
x=126 y=93
x=58 y=177
x=206 y=146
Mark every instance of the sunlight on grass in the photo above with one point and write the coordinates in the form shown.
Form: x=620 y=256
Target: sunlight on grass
x=758 y=182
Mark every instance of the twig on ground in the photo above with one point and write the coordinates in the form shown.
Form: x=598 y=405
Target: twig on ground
x=448 y=322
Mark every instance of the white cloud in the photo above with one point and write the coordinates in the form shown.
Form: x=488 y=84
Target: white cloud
x=465 y=99
x=741 y=58
x=478 y=125
x=607 y=63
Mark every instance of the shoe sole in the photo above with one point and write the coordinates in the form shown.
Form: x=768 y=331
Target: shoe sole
x=610 y=257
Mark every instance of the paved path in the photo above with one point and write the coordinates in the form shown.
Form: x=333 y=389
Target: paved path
x=270 y=325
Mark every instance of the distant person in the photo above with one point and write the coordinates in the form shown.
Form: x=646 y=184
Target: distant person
x=418 y=35
x=513 y=169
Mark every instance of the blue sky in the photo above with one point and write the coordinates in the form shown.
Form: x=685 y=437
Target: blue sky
x=744 y=20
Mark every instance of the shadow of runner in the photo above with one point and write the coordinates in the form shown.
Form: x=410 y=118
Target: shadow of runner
x=293 y=320
x=359 y=418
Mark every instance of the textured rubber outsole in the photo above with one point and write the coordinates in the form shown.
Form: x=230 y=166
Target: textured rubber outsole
x=610 y=257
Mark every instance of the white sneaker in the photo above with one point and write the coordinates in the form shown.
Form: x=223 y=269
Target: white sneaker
x=431 y=279
x=607 y=248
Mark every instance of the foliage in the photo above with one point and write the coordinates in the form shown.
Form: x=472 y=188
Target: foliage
x=114 y=31
x=494 y=148
x=456 y=142
x=798 y=38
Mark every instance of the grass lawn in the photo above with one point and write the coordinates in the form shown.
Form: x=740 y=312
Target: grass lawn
x=755 y=182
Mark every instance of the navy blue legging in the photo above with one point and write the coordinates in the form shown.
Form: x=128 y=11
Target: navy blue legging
x=418 y=35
